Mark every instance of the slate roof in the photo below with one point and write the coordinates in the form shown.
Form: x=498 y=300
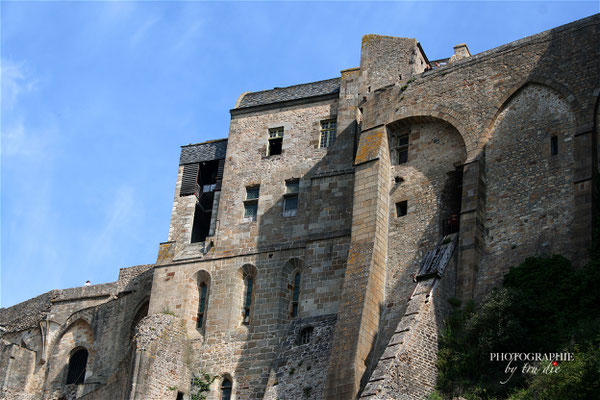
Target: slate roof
x=207 y=151
x=329 y=86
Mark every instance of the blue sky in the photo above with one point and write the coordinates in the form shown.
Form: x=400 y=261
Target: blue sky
x=97 y=97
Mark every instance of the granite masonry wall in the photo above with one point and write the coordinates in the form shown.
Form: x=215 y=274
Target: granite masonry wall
x=480 y=132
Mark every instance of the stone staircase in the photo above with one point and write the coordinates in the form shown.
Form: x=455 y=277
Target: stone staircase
x=407 y=370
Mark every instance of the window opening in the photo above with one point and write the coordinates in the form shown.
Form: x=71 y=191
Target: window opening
x=275 y=141
x=304 y=335
x=328 y=130
x=296 y=294
x=226 y=389
x=401 y=208
x=206 y=184
x=290 y=200
x=251 y=203
x=249 y=282
x=554 y=145
x=202 y=305
x=77 y=364
x=402 y=149
x=451 y=201
x=179 y=396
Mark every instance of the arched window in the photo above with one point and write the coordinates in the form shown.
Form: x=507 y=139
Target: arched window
x=226 y=389
x=296 y=294
x=248 y=286
x=77 y=363
x=202 y=304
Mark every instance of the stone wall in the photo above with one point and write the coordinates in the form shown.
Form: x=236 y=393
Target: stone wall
x=160 y=368
x=301 y=368
x=475 y=95
x=530 y=192
x=407 y=368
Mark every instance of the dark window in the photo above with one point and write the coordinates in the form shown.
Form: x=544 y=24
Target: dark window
x=226 y=389
x=275 y=141
x=328 y=129
x=208 y=178
x=251 y=203
x=179 y=396
x=290 y=201
x=248 y=282
x=296 y=294
x=304 y=335
x=203 y=293
x=77 y=363
x=402 y=149
x=401 y=208
x=554 y=145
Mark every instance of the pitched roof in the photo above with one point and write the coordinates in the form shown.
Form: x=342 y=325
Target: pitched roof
x=320 y=88
x=206 y=151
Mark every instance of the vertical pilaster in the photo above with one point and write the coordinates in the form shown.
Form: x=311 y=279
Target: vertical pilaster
x=364 y=281
x=471 y=226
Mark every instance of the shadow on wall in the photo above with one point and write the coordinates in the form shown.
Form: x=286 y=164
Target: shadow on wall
x=538 y=188
x=430 y=183
x=323 y=216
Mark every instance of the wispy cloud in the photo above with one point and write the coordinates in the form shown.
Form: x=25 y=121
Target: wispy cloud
x=188 y=37
x=18 y=141
x=142 y=30
x=14 y=83
x=119 y=214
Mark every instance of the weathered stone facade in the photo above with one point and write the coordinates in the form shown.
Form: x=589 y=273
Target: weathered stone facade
x=293 y=266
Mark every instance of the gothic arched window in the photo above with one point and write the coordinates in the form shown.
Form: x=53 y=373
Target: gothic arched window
x=202 y=304
x=77 y=363
x=248 y=287
x=296 y=294
x=226 y=389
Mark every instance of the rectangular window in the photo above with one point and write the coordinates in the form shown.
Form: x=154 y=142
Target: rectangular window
x=554 y=145
x=251 y=203
x=275 y=141
x=290 y=198
x=401 y=208
x=402 y=149
x=328 y=129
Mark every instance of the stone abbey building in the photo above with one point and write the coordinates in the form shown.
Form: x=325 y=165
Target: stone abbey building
x=311 y=254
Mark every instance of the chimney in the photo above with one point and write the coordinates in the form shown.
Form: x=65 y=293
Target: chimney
x=460 y=51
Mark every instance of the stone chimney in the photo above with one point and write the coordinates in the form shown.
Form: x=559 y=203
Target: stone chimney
x=460 y=51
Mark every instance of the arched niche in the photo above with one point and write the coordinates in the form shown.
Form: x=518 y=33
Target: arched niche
x=76 y=336
x=530 y=160
x=293 y=275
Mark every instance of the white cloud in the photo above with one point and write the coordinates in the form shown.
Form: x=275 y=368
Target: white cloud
x=14 y=83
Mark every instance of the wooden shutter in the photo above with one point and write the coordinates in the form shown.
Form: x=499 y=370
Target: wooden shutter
x=189 y=179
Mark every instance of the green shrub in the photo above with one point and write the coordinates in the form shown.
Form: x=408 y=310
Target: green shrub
x=545 y=305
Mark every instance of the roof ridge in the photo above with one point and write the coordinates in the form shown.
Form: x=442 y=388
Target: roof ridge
x=291 y=86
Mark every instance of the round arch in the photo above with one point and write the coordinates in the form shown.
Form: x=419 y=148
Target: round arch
x=436 y=113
